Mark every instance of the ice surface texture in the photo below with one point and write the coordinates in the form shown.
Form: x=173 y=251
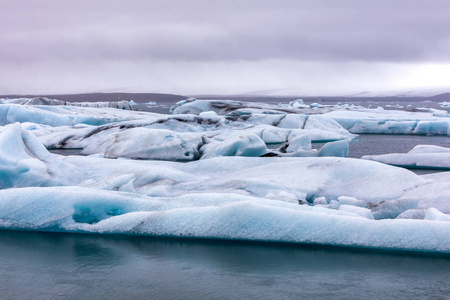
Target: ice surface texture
x=216 y=216
x=129 y=105
x=142 y=135
x=421 y=156
x=356 y=119
x=392 y=121
x=322 y=200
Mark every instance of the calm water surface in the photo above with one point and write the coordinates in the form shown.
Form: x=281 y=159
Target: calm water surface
x=70 y=266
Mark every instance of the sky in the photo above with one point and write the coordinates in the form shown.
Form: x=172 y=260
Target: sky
x=283 y=47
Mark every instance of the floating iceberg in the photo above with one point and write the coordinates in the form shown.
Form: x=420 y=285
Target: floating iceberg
x=314 y=199
x=144 y=135
x=217 y=216
x=392 y=121
x=64 y=115
x=123 y=104
x=421 y=156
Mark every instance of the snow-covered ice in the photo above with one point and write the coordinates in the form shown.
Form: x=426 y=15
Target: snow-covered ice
x=144 y=135
x=392 y=121
x=225 y=190
x=123 y=104
x=421 y=156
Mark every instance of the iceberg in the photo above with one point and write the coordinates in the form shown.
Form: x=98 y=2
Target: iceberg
x=144 y=135
x=392 y=121
x=64 y=115
x=230 y=217
x=123 y=104
x=421 y=156
x=146 y=143
x=24 y=161
x=222 y=189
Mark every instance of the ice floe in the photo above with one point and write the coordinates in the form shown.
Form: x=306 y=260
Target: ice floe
x=224 y=190
x=421 y=156
x=144 y=135
x=123 y=104
x=216 y=216
x=356 y=119
x=392 y=121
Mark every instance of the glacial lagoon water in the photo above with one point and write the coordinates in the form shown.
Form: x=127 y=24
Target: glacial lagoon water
x=76 y=266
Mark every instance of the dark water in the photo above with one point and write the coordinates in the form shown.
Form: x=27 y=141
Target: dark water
x=374 y=144
x=69 y=266
x=70 y=151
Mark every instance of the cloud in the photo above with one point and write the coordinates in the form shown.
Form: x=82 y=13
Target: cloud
x=217 y=36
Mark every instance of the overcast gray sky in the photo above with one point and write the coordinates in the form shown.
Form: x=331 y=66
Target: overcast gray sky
x=223 y=47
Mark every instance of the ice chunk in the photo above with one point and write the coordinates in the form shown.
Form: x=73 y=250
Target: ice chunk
x=297 y=103
x=435 y=215
x=241 y=145
x=148 y=144
x=421 y=156
x=391 y=121
x=293 y=121
x=344 y=200
x=274 y=135
x=320 y=200
x=218 y=216
x=324 y=123
x=432 y=127
x=66 y=115
x=393 y=208
x=24 y=161
x=418 y=214
x=338 y=148
x=210 y=116
x=360 y=211
x=46 y=101
x=298 y=141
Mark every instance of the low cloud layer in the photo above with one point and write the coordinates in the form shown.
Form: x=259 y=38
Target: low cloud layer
x=71 y=46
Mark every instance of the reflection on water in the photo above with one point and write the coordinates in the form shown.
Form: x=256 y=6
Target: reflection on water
x=54 y=266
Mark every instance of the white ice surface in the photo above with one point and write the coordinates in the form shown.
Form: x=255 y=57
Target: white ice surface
x=142 y=135
x=130 y=105
x=66 y=115
x=392 y=121
x=421 y=156
x=215 y=216
x=246 y=198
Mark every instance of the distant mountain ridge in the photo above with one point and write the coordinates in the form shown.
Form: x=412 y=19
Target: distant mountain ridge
x=173 y=98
